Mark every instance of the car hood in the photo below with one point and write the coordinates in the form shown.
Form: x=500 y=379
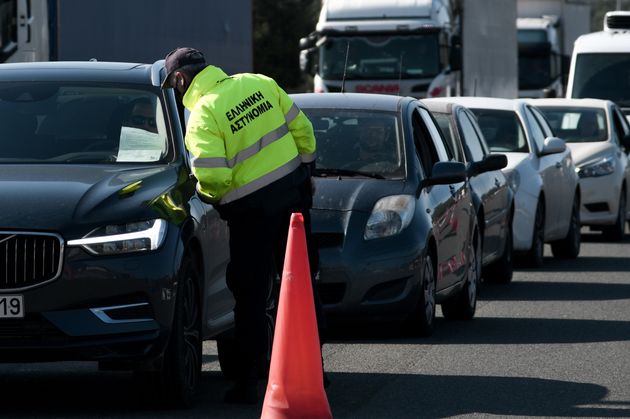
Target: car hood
x=73 y=199
x=346 y=194
x=587 y=152
x=514 y=159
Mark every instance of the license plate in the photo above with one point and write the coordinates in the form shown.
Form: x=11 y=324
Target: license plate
x=11 y=306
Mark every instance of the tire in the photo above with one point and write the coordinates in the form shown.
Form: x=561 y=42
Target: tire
x=501 y=270
x=462 y=305
x=533 y=258
x=569 y=247
x=616 y=232
x=422 y=320
x=181 y=368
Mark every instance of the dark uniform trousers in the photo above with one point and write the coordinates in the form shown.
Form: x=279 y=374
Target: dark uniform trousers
x=259 y=225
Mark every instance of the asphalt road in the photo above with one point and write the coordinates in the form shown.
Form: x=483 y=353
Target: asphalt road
x=553 y=343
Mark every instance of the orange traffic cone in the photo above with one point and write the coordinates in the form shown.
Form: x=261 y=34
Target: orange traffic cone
x=295 y=388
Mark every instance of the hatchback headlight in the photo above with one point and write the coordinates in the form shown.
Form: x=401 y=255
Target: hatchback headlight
x=125 y=238
x=390 y=216
x=600 y=167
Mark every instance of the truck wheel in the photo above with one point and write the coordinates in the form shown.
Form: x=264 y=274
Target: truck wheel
x=463 y=304
x=181 y=369
x=569 y=247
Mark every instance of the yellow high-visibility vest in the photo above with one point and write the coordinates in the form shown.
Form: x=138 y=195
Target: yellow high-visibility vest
x=244 y=132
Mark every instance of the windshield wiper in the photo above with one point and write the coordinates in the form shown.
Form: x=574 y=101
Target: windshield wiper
x=346 y=172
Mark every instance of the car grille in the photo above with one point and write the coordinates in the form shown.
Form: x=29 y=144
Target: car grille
x=28 y=259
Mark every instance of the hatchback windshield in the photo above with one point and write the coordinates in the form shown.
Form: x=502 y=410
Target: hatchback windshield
x=603 y=76
x=502 y=130
x=381 y=57
x=577 y=125
x=357 y=142
x=67 y=123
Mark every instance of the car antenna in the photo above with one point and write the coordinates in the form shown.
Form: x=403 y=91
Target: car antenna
x=345 y=66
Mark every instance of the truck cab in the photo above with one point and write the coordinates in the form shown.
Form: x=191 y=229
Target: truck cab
x=378 y=47
x=600 y=65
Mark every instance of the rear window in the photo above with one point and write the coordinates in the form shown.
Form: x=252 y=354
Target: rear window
x=360 y=140
x=502 y=130
x=577 y=125
x=63 y=123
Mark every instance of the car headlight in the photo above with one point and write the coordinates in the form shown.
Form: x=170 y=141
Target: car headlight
x=390 y=216
x=513 y=179
x=600 y=167
x=126 y=238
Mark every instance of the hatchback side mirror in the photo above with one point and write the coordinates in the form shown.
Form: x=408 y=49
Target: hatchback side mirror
x=553 y=145
x=488 y=164
x=625 y=142
x=445 y=173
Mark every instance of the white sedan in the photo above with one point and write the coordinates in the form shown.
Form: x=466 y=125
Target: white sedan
x=541 y=172
x=596 y=132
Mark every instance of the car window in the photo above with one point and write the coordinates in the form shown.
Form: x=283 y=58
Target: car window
x=436 y=135
x=425 y=147
x=542 y=121
x=577 y=124
x=621 y=128
x=470 y=138
x=450 y=139
x=502 y=130
x=357 y=139
x=67 y=123
x=538 y=136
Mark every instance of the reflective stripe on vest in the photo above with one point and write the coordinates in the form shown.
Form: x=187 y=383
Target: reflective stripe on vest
x=264 y=141
x=262 y=181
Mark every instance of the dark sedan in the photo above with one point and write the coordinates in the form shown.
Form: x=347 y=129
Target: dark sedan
x=492 y=196
x=393 y=217
x=106 y=253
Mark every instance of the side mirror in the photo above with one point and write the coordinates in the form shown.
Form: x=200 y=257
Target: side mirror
x=488 y=164
x=444 y=173
x=553 y=145
x=307 y=64
x=307 y=42
x=625 y=142
x=455 y=54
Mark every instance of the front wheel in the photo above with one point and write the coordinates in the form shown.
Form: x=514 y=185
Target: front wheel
x=422 y=319
x=534 y=256
x=181 y=369
x=569 y=247
x=617 y=231
x=463 y=304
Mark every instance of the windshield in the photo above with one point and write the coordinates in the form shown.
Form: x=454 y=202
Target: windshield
x=359 y=142
x=577 y=125
x=381 y=57
x=80 y=123
x=502 y=130
x=603 y=76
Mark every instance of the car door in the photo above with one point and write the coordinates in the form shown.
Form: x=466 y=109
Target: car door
x=554 y=178
x=490 y=186
x=450 y=203
x=620 y=130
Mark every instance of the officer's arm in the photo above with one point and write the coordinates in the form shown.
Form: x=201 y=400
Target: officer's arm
x=209 y=162
x=300 y=127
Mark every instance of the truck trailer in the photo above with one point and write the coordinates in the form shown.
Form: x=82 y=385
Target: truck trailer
x=420 y=48
x=546 y=31
x=132 y=31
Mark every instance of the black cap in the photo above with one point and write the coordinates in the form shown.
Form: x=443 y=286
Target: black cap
x=179 y=58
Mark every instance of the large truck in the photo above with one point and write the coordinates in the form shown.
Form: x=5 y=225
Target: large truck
x=600 y=65
x=546 y=31
x=420 y=48
x=133 y=31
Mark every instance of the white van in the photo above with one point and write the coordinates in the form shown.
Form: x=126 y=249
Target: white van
x=600 y=65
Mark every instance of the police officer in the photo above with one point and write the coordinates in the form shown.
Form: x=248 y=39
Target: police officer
x=251 y=150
